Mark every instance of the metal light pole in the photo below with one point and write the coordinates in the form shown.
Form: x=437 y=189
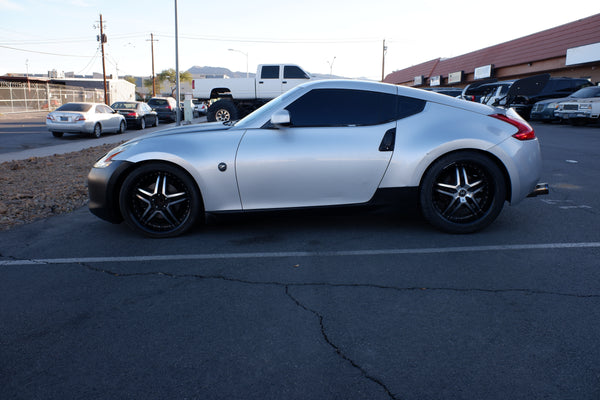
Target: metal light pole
x=331 y=67
x=383 y=61
x=177 y=68
x=246 y=54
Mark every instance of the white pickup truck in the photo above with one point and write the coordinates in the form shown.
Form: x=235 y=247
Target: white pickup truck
x=237 y=97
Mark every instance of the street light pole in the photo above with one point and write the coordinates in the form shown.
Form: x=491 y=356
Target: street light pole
x=331 y=67
x=246 y=54
x=177 y=68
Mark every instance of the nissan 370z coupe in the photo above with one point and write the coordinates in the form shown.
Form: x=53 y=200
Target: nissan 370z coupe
x=310 y=148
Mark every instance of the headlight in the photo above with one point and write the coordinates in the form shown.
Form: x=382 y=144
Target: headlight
x=585 y=106
x=106 y=160
x=551 y=105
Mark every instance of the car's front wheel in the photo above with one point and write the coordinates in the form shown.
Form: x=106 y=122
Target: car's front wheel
x=462 y=192
x=160 y=200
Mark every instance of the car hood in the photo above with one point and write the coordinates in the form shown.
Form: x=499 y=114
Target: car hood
x=548 y=101
x=182 y=130
x=585 y=100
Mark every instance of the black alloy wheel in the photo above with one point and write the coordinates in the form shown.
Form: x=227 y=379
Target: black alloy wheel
x=462 y=192
x=160 y=200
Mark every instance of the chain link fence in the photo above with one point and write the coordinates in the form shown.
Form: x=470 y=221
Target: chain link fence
x=24 y=97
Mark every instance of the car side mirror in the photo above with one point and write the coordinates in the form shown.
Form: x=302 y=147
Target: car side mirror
x=281 y=118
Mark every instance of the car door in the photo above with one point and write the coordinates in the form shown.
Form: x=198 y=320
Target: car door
x=268 y=85
x=293 y=76
x=109 y=120
x=331 y=153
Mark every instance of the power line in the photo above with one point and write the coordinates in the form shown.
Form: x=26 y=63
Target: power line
x=44 y=52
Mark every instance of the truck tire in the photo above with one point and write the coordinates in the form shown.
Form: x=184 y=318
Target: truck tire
x=222 y=111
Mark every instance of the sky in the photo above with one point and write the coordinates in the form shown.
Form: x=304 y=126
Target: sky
x=342 y=37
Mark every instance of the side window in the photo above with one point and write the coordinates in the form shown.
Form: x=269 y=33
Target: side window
x=294 y=72
x=343 y=107
x=270 y=72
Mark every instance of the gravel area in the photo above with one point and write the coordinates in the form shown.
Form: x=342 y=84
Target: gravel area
x=40 y=187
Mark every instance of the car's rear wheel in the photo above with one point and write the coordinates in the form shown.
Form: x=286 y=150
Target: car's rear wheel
x=57 y=134
x=97 y=132
x=222 y=111
x=122 y=127
x=155 y=120
x=462 y=192
x=160 y=200
x=142 y=123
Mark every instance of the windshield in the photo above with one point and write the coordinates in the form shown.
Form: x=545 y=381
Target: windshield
x=124 y=105
x=80 y=107
x=591 y=91
x=265 y=111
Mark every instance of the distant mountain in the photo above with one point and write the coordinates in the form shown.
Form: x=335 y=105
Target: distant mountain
x=219 y=71
x=196 y=70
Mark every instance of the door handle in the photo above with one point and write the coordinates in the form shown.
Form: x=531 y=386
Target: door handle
x=388 y=141
x=260 y=82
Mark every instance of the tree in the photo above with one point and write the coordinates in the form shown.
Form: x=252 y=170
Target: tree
x=170 y=76
x=130 y=79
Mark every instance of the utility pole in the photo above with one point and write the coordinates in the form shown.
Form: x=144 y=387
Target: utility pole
x=102 y=40
x=153 y=75
x=383 y=61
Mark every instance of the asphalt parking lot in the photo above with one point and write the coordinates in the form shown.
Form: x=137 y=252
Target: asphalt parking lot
x=315 y=305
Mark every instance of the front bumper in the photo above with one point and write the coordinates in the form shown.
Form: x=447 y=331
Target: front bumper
x=103 y=189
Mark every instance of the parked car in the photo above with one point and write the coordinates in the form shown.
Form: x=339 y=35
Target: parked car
x=200 y=107
x=555 y=88
x=165 y=107
x=448 y=91
x=92 y=118
x=544 y=110
x=459 y=160
x=494 y=94
x=583 y=109
x=136 y=113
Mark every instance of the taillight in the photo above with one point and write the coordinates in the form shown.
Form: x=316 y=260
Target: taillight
x=132 y=114
x=50 y=117
x=80 y=118
x=525 y=131
x=169 y=108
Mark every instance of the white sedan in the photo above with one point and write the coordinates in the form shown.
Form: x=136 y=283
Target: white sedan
x=460 y=161
x=92 y=118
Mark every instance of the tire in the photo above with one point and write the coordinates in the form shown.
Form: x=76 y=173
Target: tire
x=122 y=127
x=155 y=121
x=97 y=131
x=222 y=111
x=57 y=134
x=160 y=200
x=462 y=192
x=142 y=124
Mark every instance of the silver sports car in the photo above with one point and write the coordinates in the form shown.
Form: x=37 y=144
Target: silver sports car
x=459 y=160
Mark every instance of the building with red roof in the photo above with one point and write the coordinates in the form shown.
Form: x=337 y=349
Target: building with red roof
x=571 y=50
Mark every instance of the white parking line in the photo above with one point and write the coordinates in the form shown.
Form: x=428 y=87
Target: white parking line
x=284 y=254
